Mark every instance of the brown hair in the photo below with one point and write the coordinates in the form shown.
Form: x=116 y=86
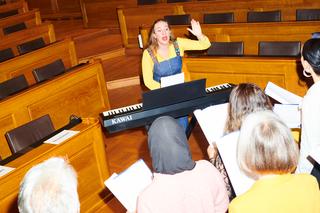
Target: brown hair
x=244 y=99
x=152 y=43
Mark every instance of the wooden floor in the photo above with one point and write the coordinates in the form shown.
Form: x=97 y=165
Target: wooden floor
x=126 y=147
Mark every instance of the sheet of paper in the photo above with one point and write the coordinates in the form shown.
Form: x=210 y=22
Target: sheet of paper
x=62 y=136
x=172 y=80
x=5 y=169
x=289 y=113
x=282 y=95
x=212 y=121
x=127 y=185
x=227 y=146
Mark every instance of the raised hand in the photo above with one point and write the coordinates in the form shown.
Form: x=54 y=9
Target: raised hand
x=196 y=29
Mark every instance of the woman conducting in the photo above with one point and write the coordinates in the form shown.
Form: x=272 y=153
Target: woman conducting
x=162 y=57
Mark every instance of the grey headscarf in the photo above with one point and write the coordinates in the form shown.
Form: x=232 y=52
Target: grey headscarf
x=169 y=147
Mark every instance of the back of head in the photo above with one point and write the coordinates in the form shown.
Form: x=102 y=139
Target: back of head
x=311 y=53
x=266 y=145
x=245 y=99
x=51 y=187
x=168 y=146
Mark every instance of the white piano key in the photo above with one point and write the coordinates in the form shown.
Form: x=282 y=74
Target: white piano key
x=122 y=109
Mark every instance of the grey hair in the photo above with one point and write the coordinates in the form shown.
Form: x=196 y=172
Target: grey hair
x=266 y=145
x=50 y=187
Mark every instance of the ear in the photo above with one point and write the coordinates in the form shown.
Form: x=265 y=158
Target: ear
x=305 y=64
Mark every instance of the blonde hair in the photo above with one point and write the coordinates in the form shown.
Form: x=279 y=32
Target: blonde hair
x=153 y=43
x=266 y=145
x=245 y=99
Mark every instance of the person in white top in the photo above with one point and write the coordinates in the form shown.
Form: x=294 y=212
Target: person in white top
x=310 y=124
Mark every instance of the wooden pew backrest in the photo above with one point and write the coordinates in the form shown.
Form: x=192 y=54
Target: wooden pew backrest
x=25 y=64
x=30 y=19
x=44 y=31
x=21 y=6
x=251 y=33
x=81 y=92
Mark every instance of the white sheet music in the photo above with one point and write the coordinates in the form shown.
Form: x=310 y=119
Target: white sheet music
x=289 y=113
x=127 y=185
x=212 y=121
x=4 y=170
x=172 y=80
x=62 y=136
x=227 y=147
x=282 y=95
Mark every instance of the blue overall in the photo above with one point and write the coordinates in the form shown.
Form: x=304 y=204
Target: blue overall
x=169 y=67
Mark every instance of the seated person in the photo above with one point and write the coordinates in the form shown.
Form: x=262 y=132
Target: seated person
x=179 y=183
x=267 y=152
x=244 y=99
x=50 y=186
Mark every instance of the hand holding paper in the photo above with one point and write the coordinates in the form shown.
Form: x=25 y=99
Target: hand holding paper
x=212 y=121
x=127 y=185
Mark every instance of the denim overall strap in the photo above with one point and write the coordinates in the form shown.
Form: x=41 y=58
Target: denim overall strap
x=168 y=67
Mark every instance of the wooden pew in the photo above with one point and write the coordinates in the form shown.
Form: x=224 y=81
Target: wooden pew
x=66 y=9
x=85 y=152
x=285 y=72
x=21 y=6
x=45 y=31
x=250 y=33
x=240 y=8
x=30 y=19
x=102 y=13
x=130 y=19
x=81 y=92
x=25 y=64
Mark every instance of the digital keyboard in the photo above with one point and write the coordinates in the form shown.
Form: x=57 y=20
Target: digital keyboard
x=132 y=116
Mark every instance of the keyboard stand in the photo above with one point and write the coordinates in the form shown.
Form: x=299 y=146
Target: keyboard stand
x=193 y=122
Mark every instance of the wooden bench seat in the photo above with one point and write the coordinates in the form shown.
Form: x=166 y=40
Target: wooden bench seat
x=285 y=72
x=250 y=33
x=24 y=64
x=81 y=92
x=30 y=19
x=85 y=152
x=44 y=31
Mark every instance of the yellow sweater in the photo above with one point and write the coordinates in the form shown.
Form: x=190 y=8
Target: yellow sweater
x=280 y=194
x=184 y=44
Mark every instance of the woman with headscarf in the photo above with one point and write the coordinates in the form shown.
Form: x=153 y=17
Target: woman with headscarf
x=179 y=184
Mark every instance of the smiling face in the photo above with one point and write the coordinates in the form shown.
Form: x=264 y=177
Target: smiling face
x=161 y=33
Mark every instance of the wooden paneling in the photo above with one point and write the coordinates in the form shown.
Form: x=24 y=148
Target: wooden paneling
x=25 y=64
x=81 y=92
x=44 y=31
x=86 y=153
x=285 y=72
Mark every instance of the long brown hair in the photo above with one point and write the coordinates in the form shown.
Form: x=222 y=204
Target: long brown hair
x=244 y=99
x=153 y=43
